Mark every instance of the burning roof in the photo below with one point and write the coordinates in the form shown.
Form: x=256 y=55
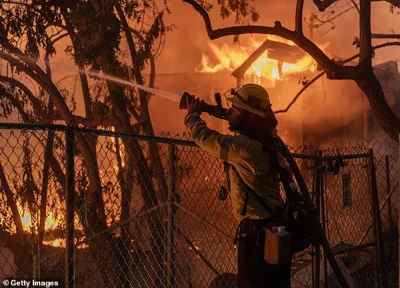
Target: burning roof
x=271 y=59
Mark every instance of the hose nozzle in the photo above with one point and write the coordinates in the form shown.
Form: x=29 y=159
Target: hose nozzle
x=214 y=110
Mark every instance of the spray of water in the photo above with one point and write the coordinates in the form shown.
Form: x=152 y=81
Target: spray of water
x=164 y=94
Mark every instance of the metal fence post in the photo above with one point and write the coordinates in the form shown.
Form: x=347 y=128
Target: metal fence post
x=381 y=279
x=70 y=209
x=171 y=218
x=316 y=199
x=322 y=219
x=388 y=189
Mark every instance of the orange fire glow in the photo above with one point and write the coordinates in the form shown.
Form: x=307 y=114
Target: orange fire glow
x=52 y=222
x=29 y=225
x=26 y=219
x=231 y=57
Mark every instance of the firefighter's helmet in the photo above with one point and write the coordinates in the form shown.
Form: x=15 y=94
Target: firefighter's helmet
x=253 y=98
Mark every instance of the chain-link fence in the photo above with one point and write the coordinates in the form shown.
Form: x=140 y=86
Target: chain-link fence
x=144 y=211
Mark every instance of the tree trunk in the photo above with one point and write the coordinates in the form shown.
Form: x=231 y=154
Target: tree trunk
x=370 y=85
x=44 y=191
x=156 y=163
x=125 y=178
x=18 y=244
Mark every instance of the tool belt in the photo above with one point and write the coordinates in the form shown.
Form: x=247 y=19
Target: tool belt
x=252 y=227
x=297 y=216
x=276 y=249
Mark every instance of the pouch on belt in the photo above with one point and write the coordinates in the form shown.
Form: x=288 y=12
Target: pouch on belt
x=277 y=246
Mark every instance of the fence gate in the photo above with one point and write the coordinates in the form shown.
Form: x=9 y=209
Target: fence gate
x=344 y=187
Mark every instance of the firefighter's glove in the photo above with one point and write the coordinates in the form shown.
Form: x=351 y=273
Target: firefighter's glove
x=193 y=105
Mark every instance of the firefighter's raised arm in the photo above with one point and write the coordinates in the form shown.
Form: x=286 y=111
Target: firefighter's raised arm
x=225 y=147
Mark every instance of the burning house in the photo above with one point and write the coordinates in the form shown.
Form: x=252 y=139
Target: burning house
x=327 y=111
x=272 y=64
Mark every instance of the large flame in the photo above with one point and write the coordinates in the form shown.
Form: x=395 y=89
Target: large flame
x=231 y=57
x=52 y=222
x=28 y=224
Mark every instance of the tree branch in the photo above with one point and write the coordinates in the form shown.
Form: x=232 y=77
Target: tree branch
x=59 y=38
x=299 y=17
x=30 y=68
x=393 y=2
x=83 y=77
x=152 y=62
x=355 y=6
x=322 y=5
x=365 y=59
x=309 y=83
x=45 y=182
x=11 y=202
x=385 y=36
x=144 y=101
x=133 y=53
x=17 y=104
x=28 y=5
x=333 y=70
x=55 y=165
x=36 y=104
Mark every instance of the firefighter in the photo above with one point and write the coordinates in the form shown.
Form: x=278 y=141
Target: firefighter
x=248 y=163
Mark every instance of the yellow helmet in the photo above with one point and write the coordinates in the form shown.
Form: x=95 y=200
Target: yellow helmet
x=253 y=98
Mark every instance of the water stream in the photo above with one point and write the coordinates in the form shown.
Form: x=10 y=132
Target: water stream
x=164 y=94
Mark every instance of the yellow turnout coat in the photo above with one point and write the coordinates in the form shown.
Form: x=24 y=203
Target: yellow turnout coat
x=251 y=162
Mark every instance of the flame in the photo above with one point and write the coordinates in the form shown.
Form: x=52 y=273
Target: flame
x=60 y=243
x=29 y=225
x=50 y=223
x=26 y=218
x=26 y=221
x=230 y=58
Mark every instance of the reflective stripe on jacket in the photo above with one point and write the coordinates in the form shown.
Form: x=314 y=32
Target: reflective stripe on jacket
x=250 y=161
